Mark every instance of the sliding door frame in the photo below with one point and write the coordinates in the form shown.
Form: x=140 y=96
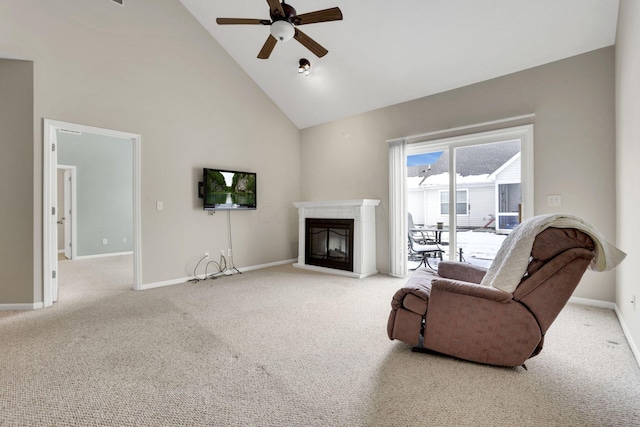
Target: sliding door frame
x=425 y=143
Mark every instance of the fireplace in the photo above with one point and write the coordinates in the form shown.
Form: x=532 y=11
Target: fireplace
x=329 y=243
x=341 y=239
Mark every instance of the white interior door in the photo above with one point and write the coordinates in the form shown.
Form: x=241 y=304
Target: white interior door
x=68 y=213
x=53 y=221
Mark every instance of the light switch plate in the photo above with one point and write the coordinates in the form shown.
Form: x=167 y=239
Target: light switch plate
x=159 y=205
x=554 y=200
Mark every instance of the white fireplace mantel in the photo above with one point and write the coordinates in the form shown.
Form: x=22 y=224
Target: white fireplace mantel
x=363 y=212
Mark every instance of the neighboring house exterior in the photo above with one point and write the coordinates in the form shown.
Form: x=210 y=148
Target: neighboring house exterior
x=488 y=188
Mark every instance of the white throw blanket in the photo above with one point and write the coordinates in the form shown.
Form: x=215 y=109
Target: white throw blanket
x=512 y=258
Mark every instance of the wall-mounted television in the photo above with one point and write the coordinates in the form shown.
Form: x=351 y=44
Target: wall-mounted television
x=230 y=190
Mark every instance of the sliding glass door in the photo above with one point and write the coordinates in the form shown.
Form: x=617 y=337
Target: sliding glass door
x=471 y=191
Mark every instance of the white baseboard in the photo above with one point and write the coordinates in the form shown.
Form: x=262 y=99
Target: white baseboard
x=271 y=264
x=21 y=307
x=153 y=285
x=614 y=307
x=593 y=302
x=627 y=334
x=104 y=255
x=335 y=271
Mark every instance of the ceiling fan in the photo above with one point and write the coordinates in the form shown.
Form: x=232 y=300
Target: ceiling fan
x=284 y=24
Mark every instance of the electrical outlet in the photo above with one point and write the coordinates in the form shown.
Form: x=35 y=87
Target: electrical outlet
x=229 y=252
x=105 y=242
x=124 y=240
x=206 y=254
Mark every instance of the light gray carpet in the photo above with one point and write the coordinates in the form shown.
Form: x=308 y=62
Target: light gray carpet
x=286 y=347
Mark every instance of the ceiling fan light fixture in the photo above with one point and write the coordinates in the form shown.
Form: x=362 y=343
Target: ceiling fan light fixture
x=282 y=30
x=304 y=66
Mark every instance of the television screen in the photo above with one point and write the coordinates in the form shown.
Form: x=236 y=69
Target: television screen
x=228 y=189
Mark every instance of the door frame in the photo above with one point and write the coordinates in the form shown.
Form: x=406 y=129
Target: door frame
x=70 y=193
x=49 y=193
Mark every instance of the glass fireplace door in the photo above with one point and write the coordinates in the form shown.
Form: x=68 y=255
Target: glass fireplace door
x=329 y=243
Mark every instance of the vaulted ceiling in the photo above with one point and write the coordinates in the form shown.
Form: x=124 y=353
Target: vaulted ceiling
x=386 y=52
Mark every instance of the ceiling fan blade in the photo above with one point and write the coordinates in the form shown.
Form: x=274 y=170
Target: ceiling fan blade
x=268 y=47
x=310 y=44
x=332 y=14
x=276 y=8
x=234 y=21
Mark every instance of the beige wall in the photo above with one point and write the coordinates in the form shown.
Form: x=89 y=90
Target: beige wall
x=16 y=181
x=150 y=68
x=574 y=147
x=628 y=159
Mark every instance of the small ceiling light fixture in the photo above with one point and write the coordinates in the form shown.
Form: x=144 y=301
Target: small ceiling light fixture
x=282 y=30
x=304 y=66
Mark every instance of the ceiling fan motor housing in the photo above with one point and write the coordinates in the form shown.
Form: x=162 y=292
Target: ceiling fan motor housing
x=282 y=26
x=289 y=14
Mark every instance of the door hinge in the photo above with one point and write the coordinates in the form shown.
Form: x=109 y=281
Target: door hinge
x=53 y=210
x=53 y=274
x=53 y=147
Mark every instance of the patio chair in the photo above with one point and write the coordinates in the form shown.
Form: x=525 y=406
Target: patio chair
x=422 y=245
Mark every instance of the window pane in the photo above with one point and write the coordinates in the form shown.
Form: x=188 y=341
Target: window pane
x=508 y=222
x=487 y=179
x=510 y=197
x=461 y=202
x=444 y=203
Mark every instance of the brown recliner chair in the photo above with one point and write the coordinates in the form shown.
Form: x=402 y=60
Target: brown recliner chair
x=449 y=311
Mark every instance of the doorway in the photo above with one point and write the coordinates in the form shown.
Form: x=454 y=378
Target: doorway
x=50 y=203
x=66 y=212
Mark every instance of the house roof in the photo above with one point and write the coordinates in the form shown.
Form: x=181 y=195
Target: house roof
x=474 y=160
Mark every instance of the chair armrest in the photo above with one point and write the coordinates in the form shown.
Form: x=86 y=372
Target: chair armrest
x=419 y=291
x=471 y=289
x=461 y=271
